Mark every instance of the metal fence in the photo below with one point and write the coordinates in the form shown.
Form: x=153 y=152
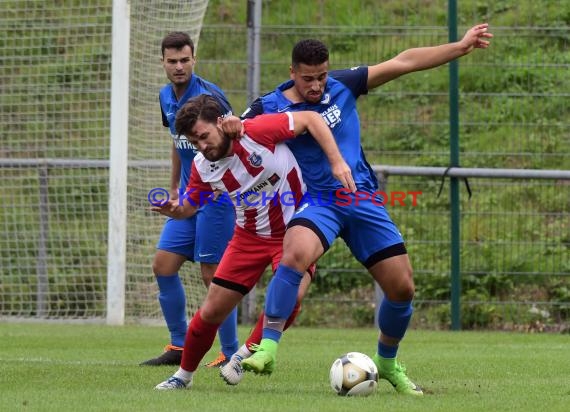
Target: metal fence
x=513 y=114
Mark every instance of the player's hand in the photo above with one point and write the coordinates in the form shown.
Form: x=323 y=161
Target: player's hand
x=475 y=38
x=232 y=127
x=341 y=171
x=171 y=209
x=217 y=193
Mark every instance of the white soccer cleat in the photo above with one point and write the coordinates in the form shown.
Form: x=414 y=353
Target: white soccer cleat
x=173 y=383
x=232 y=372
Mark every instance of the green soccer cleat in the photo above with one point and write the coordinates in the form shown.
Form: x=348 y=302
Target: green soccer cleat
x=260 y=362
x=395 y=373
x=263 y=360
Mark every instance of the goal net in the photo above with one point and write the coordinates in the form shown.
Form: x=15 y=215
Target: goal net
x=149 y=145
x=55 y=93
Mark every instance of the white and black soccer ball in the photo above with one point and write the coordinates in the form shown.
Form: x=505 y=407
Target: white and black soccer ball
x=354 y=374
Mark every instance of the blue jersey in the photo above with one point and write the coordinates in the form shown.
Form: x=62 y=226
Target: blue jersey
x=338 y=108
x=169 y=106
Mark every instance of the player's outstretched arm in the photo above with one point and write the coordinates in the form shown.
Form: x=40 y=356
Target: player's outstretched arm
x=422 y=58
x=316 y=126
x=175 y=210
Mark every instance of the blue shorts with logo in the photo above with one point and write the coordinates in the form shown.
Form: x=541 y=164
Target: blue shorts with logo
x=364 y=225
x=203 y=237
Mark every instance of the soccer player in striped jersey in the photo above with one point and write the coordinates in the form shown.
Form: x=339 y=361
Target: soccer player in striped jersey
x=259 y=176
x=201 y=238
x=366 y=228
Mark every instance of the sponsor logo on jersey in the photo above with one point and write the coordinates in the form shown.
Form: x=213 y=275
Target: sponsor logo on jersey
x=260 y=187
x=253 y=191
x=182 y=143
x=273 y=179
x=326 y=98
x=254 y=159
x=332 y=116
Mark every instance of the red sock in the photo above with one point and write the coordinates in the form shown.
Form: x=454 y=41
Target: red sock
x=199 y=339
x=255 y=335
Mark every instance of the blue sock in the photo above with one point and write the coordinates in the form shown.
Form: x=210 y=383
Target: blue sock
x=228 y=334
x=281 y=297
x=172 y=300
x=387 y=352
x=271 y=334
x=393 y=320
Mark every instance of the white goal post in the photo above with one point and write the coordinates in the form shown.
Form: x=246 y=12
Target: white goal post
x=118 y=160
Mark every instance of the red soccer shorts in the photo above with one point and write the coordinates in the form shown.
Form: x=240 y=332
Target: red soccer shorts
x=247 y=256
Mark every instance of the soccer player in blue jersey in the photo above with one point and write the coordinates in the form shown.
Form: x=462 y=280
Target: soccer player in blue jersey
x=203 y=237
x=365 y=226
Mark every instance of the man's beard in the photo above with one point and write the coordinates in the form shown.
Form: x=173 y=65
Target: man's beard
x=314 y=97
x=220 y=151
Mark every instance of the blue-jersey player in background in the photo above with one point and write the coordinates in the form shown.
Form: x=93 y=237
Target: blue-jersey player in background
x=201 y=238
x=365 y=226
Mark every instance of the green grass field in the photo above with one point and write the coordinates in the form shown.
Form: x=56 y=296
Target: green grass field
x=55 y=367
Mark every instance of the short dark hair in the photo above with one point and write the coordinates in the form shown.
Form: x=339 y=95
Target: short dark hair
x=203 y=107
x=176 y=40
x=310 y=52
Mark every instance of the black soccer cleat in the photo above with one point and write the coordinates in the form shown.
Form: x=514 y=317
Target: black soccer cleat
x=172 y=356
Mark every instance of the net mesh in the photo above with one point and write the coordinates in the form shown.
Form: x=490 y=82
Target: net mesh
x=149 y=149
x=54 y=100
x=55 y=91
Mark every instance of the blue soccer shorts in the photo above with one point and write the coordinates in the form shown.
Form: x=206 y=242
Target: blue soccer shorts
x=364 y=225
x=203 y=237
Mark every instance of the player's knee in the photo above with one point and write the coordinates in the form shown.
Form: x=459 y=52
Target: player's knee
x=167 y=263
x=407 y=293
x=163 y=269
x=406 y=289
x=298 y=257
x=400 y=287
x=158 y=268
x=206 y=314
x=401 y=294
x=211 y=314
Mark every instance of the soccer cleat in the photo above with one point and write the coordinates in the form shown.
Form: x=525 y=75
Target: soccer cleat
x=172 y=356
x=232 y=372
x=261 y=362
x=220 y=361
x=395 y=373
x=173 y=383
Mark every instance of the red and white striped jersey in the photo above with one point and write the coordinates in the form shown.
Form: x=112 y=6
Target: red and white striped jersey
x=261 y=178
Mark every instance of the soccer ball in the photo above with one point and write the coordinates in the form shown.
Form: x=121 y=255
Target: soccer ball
x=354 y=374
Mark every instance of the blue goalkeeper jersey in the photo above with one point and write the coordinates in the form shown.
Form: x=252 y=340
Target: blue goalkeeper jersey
x=338 y=108
x=169 y=106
